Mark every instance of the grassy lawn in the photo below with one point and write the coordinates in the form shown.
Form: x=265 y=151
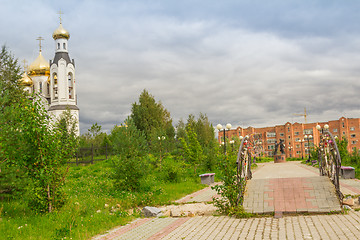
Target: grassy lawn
x=93 y=206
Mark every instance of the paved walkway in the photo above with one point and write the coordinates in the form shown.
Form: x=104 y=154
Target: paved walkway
x=289 y=188
x=347 y=186
x=335 y=226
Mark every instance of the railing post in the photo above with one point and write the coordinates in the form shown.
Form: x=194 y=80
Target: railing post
x=92 y=153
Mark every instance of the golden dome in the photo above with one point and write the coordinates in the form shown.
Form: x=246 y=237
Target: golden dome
x=39 y=67
x=25 y=80
x=60 y=32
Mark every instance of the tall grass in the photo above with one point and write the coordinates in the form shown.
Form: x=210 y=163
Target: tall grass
x=93 y=206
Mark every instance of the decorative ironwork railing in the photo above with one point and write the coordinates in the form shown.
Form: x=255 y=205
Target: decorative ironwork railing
x=329 y=159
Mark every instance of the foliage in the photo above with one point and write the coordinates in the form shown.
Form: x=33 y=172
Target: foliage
x=94 y=205
x=67 y=128
x=39 y=149
x=229 y=203
x=172 y=170
x=13 y=182
x=130 y=166
x=150 y=117
x=127 y=140
x=193 y=151
x=205 y=136
x=94 y=138
x=29 y=142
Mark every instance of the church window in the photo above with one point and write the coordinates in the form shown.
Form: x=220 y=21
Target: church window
x=48 y=88
x=40 y=87
x=58 y=46
x=70 y=85
x=55 y=86
x=64 y=46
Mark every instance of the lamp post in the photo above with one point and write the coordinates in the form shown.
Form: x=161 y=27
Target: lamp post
x=308 y=140
x=220 y=127
x=290 y=150
x=302 y=152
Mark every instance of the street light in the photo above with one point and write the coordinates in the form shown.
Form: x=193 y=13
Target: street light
x=302 y=152
x=308 y=140
x=290 y=150
x=220 y=127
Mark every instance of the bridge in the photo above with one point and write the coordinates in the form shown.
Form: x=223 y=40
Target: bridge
x=291 y=187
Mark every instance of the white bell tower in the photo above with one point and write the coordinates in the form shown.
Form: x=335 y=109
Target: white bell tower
x=62 y=77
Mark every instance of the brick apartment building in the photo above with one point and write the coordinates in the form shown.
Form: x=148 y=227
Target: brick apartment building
x=293 y=135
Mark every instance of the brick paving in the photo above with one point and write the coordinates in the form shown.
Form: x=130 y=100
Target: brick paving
x=204 y=195
x=334 y=226
x=272 y=191
x=347 y=186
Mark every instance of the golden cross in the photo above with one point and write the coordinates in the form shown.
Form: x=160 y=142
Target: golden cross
x=60 y=15
x=40 y=38
x=24 y=61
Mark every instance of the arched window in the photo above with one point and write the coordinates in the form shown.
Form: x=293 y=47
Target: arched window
x=55 y=86
x=40 y=87
x=58 y=46
x=64 y=46
x=71 y=86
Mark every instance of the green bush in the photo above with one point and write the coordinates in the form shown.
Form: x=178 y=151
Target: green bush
x=172 y=169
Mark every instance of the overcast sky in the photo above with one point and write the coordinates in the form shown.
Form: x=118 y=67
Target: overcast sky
x=249 y=63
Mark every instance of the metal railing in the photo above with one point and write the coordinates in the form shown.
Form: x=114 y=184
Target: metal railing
x=90 y=155
x=243 y=163
x=329 y=159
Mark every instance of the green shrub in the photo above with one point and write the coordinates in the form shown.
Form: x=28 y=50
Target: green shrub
x=172 y=169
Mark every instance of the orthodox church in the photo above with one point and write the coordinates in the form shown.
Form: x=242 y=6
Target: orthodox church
x=54 y=81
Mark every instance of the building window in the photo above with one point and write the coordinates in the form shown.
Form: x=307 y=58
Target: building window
x=289 y=137
x=281 y=134
x=288 y=129
x=296 y=133
x=64 y=46
x=297 y=139
x=58 y=46
x=270 y=134
x=40 y=87
x=55 y=86
x=353 y=142
x=343 y=133
x=335 y=130
x=297 y=146
x=270 y=154
x=343 y=124
x=48 y=88
x=269 y=141
x=308 y=131
x=352 y=129
x=70 y=85
x=353 y=135
x=271 y=147
x=298 y=152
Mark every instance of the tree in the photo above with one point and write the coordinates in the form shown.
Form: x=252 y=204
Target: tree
x=151 y=117
x=129 y=143
x=29 y=140
x=67 y=126
x=193 y=151
x=11 y=177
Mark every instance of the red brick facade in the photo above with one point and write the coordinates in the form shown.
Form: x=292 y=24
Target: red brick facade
x=293 y=135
